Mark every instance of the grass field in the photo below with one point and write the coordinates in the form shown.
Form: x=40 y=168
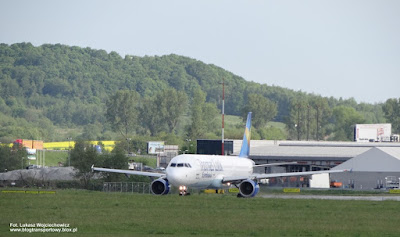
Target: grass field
x=124 y=214
x=53 y=157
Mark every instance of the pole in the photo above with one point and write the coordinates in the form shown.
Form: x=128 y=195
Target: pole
x=69 y=151
x=308 y=121
x=298 y=122
x=223 y=113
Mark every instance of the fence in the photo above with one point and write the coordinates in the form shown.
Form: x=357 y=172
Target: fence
x=132 y=187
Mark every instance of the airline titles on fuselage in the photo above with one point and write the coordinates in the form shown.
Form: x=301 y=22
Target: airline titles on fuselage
x=209 y=168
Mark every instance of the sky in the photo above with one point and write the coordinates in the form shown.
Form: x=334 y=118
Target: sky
x=341 y=48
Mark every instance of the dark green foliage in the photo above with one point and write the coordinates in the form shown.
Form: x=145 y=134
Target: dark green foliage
x=82 y=157
x=161 y=112
x=203 y=116
x=309 y=118
x=392 y=113
x=345 y=118
x=263 y=110
x=69 y=87
x=115 y=160
x=12 y=158
x=123 y=111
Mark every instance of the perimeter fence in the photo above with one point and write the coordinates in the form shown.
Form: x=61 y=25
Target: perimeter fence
x=127 y=187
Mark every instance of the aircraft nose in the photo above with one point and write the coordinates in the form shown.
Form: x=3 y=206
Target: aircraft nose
x=176 y=177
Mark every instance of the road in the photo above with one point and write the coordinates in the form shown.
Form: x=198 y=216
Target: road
x=333 y=197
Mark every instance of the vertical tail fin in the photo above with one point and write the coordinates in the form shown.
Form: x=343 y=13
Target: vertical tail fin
x=245 y=151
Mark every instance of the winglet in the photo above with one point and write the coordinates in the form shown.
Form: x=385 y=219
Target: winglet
x=245 y=150
x=92 y=168
x=348 y=170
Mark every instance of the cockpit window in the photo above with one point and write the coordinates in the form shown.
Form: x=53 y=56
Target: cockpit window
x=187 y=165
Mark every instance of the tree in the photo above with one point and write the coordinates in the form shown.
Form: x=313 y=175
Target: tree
x=70 y=85
x=152 y=114
x=116 y=160
x=123 y=111
x=263 y=110
x=162 y=111
x=322 y=113
x=345 y=118
x=83 y=156
x=12 y=158
x=203 y=114
x=296 y=121
x=176 y=103
x=391 y=108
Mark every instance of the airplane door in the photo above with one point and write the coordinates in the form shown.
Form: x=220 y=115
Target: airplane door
x=198 y=169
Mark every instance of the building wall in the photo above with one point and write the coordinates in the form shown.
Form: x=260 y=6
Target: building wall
x=364 y=180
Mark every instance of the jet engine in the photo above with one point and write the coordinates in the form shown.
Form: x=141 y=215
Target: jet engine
x=160 y=187
x=248 y=188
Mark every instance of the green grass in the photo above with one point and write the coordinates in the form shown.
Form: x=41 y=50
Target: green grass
x=150 y=161
x=232 y=120
x=53 y=157
x=111 y=214
x=279 y=125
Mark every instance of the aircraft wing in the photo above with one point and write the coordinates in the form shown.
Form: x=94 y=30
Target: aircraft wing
x=289 y=174
x=238 y=179
x=132 y=172
x=276 y=164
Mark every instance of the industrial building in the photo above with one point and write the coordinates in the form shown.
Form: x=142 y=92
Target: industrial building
x=383 y=161
x=377 y=168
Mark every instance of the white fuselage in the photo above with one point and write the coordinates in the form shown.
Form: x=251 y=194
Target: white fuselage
x=206 y=171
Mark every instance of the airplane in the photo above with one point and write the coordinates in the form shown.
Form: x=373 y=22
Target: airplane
x=213 y=171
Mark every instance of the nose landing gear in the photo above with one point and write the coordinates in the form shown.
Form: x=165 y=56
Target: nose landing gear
x=183 y=191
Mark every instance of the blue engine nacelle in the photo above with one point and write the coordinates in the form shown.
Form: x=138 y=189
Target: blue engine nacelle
x=160 y=187
x=248 y=188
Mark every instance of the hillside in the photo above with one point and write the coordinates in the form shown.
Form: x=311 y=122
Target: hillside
x=55 y=91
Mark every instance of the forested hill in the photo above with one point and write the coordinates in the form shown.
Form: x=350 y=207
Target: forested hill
x=69 y=86
x=90 y=76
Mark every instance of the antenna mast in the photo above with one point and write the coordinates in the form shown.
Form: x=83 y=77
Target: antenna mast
x=223 y=114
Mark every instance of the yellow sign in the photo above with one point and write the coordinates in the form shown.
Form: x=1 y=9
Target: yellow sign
x=397 y=191
x=291 y=190
x=47 y=192
x=28 y=191
x=234 y=190
x=12 y=191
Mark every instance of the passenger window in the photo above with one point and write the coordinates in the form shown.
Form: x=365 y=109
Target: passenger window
x=173 y=164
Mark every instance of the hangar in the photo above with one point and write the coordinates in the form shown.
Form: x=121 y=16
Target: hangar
x=377 y=168
x=312 y=156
